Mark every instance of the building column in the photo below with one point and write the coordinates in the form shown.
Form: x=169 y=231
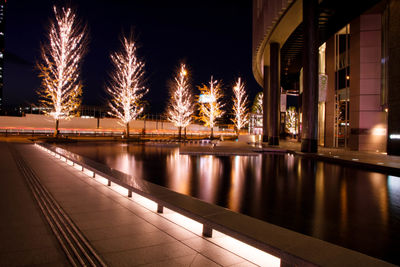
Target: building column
x=393 y=32
x=265 y=104
x=274 y=96
x=310 y=77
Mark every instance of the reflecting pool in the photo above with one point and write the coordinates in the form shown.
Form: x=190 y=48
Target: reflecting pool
x=350 y=207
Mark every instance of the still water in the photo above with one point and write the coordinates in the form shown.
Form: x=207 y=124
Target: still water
x=350 y=207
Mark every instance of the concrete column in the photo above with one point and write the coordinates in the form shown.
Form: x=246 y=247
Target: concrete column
x=393 y=142
x=310 y=77
x=367 y=119
x=274 y=97
x=265 y=104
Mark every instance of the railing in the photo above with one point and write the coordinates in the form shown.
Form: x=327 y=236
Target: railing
x=294 y=249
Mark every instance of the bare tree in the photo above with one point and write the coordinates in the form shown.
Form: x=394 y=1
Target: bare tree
x=126 y=83
x=211 y=104
x=240 y=103
x=180 y=108
x=60 y=65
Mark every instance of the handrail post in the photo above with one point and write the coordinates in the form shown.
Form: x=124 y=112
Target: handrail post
x=207 y=230
x=160 y=209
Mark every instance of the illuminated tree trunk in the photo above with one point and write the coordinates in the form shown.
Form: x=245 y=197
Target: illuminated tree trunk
x=179 y=132
x=56 y=131
x=212 y=132
x=127 y=130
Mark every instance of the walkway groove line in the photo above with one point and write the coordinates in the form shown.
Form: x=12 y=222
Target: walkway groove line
x=76 y=247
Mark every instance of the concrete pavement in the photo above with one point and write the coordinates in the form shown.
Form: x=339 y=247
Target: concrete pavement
x=122 y=232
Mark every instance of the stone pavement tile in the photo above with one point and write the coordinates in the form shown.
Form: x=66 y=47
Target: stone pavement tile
x=213 y=252
x=133 y=206
x=21 y=230
x=119 y=231
x=243 y=264
x=34 y=257
x=180 y=233
x=118 y=212
x=148 y=255
x=159 y=221
x=27 y=242
x=197 y=260
x=85 y=224
x=135 y=241
x=72 y=206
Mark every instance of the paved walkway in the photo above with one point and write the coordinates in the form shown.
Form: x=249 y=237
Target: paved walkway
x=122 y=232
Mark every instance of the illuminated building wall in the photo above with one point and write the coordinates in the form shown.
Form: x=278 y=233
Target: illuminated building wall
x=2 y=7
x=362 y=103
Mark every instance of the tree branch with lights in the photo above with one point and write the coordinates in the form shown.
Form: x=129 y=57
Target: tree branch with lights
x=126 y=83
x=210 y=104
x=240 y=102
x=180 y=107
x=60 y=65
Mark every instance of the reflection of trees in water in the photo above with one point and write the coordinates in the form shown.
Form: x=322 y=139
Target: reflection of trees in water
x=349 y=207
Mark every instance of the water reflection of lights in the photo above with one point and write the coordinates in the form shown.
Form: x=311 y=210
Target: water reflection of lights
x=210 y=168
x=127 y=163
x=179 y=171
x=394 y=190
x=237 y=183
x=319 y=202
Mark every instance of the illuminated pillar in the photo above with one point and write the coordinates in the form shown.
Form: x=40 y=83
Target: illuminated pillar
x=393 y=32
x=265 y=104
x=274 y=96
x=310 y=77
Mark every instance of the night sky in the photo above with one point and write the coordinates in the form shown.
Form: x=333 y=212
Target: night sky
x=212 y=37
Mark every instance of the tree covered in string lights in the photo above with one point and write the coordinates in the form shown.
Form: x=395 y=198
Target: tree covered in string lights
x=240 y=102
x=60 y=64
x=180 y=107
x=210 y=104
x=125 y=86
x=257 y=107
x=291 y=120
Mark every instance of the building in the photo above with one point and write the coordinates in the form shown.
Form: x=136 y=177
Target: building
x=2 y=28
x=343 y=60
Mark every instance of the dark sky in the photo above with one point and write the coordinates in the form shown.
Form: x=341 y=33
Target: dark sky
x=212 y=37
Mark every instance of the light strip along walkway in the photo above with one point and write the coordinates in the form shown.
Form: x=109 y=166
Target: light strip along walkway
x=78 y=250
x=120 y=230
